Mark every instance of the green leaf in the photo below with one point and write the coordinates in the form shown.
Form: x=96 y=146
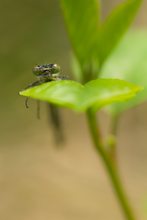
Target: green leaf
x=71 y=94
x=115 y=25
x=82 y=21
x=129 y=62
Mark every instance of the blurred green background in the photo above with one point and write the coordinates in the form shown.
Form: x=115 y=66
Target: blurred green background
x=38 y=181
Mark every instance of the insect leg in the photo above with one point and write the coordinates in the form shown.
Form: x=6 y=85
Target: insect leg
x=36 y=83
x=26 y=102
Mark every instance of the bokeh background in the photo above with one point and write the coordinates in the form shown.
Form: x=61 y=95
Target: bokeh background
x=37 y=180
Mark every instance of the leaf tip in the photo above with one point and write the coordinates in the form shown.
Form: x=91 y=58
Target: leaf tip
x=23 y=93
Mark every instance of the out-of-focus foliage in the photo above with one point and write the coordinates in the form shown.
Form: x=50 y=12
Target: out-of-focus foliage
x=93 y=40
x=82 y=21
x=129 y=62
x=115 y=25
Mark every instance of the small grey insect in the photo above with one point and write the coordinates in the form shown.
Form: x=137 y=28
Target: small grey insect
x=47 y=73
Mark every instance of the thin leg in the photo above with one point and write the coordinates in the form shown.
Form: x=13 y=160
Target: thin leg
x=36 y=83
x=26 y=102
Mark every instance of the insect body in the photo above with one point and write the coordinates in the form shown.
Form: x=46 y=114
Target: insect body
x=47 y=73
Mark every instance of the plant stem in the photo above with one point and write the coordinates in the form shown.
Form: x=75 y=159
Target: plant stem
x=111 y=170
x=111 y=142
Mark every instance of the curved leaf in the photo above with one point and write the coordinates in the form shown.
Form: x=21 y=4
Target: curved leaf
x=71 y=94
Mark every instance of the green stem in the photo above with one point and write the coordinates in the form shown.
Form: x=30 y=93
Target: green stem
x=111 y=142
x=111 y=170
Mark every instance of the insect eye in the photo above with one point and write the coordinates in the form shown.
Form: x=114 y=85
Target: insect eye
x=37 y=70
x=56 y=68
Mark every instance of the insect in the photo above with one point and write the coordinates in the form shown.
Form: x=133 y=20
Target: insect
x=47 y=73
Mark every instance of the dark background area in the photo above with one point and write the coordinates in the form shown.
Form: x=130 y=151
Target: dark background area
x=37 y=180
